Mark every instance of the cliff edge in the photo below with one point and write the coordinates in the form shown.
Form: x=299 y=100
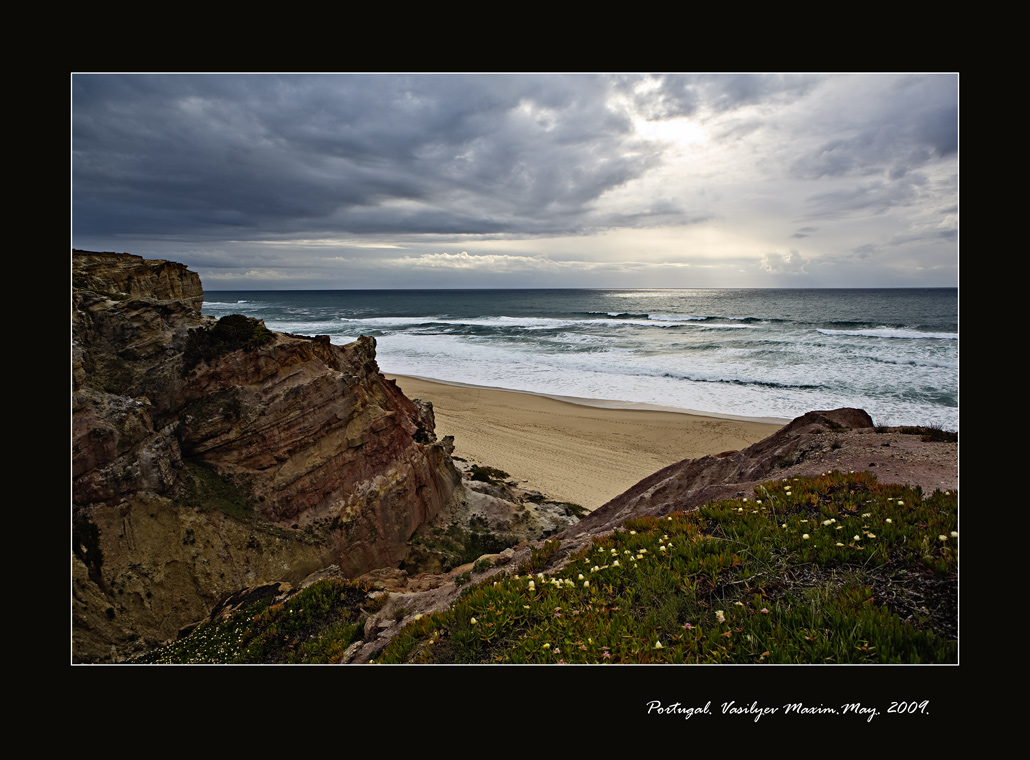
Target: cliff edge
x=212 y=455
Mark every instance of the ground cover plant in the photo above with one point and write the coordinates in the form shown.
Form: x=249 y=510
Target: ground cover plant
x=833 y=569
x=315 y=626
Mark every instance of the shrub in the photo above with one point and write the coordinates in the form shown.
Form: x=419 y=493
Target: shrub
x=230 y=333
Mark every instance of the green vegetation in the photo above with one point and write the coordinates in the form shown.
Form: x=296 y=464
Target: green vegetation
x=488 y=474
x=456 y=546
x=934 y=433
x=833 y=569
x=315 y=626
x=208 y=490
x=230 y=333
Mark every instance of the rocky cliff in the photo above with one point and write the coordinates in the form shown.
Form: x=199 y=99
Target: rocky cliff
x=208 y=456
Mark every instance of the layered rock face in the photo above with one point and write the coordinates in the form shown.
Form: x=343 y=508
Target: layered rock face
x=210 y=456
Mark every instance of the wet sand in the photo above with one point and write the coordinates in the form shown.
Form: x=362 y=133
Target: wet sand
x=578 y=450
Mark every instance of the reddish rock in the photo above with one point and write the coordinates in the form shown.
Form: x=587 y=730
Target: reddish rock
x=257 y=464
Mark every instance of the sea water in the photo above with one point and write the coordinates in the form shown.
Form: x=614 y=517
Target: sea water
x=756 y=353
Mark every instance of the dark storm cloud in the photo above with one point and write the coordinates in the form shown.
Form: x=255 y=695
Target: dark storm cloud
x=252 y=155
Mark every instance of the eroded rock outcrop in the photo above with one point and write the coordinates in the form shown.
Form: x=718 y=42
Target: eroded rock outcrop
x=211 y=456
x=841 y=439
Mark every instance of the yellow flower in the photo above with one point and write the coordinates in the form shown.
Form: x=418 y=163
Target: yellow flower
x=804 y=535
x=720 y=616
x=954 y=534
x=658 y=645
x=473 y=621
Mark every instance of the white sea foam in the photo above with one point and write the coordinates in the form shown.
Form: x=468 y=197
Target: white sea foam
x=757 y=354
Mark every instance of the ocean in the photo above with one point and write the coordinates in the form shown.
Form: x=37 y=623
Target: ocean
x=754 y=353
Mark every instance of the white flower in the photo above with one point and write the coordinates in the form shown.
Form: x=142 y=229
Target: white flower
x=804 y=535
x=658 y=645
x=586 y=584
x=858 y=537
x=633 y=533
x=954 y=534
x=720 y=616
x=943 y=538
x=889 y=520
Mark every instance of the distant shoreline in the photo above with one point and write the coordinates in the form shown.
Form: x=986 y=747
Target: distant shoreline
x=584 y=451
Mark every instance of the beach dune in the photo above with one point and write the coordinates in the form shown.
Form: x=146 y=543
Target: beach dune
x=577 y=450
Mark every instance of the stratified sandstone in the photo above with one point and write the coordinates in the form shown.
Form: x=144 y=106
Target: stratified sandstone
x=198 y=472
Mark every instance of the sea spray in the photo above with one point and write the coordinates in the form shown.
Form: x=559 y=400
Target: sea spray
x=750 y=353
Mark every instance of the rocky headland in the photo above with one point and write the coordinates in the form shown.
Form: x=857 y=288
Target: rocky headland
x=215 y=461
x=210 y=456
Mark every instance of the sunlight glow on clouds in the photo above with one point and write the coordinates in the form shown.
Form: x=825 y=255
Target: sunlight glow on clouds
x=672 y=180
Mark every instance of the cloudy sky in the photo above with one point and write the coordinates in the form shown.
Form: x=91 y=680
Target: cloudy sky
x=522 y=180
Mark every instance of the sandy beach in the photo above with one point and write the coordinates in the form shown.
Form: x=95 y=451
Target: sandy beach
x=582 y=451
